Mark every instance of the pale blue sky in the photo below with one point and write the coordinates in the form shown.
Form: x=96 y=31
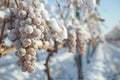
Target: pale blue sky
x=110 y=11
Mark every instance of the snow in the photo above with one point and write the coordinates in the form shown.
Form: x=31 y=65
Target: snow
x=61 y=67
x=104 y=65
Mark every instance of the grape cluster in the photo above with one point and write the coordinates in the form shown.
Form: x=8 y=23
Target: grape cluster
x=27 y=33
x=71 y=40
x=81 y=43
x=77 y=39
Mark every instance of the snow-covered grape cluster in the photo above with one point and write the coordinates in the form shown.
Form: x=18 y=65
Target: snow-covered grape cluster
x=81 y=43
x=71 y=41
x=27 y=33
x=77 y=40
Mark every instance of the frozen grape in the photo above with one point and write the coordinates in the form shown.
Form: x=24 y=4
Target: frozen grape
x=29 y=9
x=31 y=15
x=31 y=51
x=26 y=42
x=28 y=57
x=21 y=29
x=28 y=29
x=22 y=14
x=12 y=36
x=37 y=32
x=22 y=5
x=28 y=21
x=22 y=23
x=37 y=21
x=21 y=52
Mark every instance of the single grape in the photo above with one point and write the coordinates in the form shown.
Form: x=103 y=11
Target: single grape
x=29 y=9
x=27 y=63
x=37 y=14
x=31 y=15
x=21 y=52
x=22 y=4
x=37 y=21
x=30 y=69
x=28 y=57
x=37 y=32
x=12 y=37
x=31 y=51
x=22 y=23
x=21 y=29
x=17 y=21
x=28 y=21
x=22 y=14
x=26 y=42
x=28 y=29
x=8 y=26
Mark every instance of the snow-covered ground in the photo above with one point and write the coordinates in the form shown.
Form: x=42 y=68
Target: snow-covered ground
x=63 y=67
x=104 y=65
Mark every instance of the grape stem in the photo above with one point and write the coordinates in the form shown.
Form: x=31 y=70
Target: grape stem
x=78 y=60
x=7 y=51
x=8 y=4
x=17 y=4
x=61 y=13
x=2 y=31
x=51 y=53
x=40 y=47
x=47 y=65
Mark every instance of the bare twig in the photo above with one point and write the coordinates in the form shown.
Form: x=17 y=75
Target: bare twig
x=40 y=47
x=33 y=2
x=48 y=60
x=61 y=13
x=17 y=3
x=78 y=60
x=47 y=65
x=5 y=3
x=88 y=53
x=8 y=3
x=2 y=32
x=50 y=48
x=7 y=51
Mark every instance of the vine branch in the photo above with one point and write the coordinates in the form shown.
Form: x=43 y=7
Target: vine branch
x=8 y=4
x=17 y=3
x=7 y=51
x=47 y=65
x=61 y=13
x=48 y=60
x=2 y=31
x=40 y=47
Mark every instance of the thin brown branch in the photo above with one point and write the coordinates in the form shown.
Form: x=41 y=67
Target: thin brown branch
x=49 y=47
x=8 y=3
x=2 y=32
x=33 y=2
x=17 y=3
x=48 y=60
x=78 y=60
x=40 y=47
x=61 y=13
x=7 y=51
x=47 y=65
x=5 y=3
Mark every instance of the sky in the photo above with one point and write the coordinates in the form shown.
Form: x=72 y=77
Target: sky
x=110 y=11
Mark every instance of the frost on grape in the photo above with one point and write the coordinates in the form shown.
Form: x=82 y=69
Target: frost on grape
x=31 y=27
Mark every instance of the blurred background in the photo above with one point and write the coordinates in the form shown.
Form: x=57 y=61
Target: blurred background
x=101 y=59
